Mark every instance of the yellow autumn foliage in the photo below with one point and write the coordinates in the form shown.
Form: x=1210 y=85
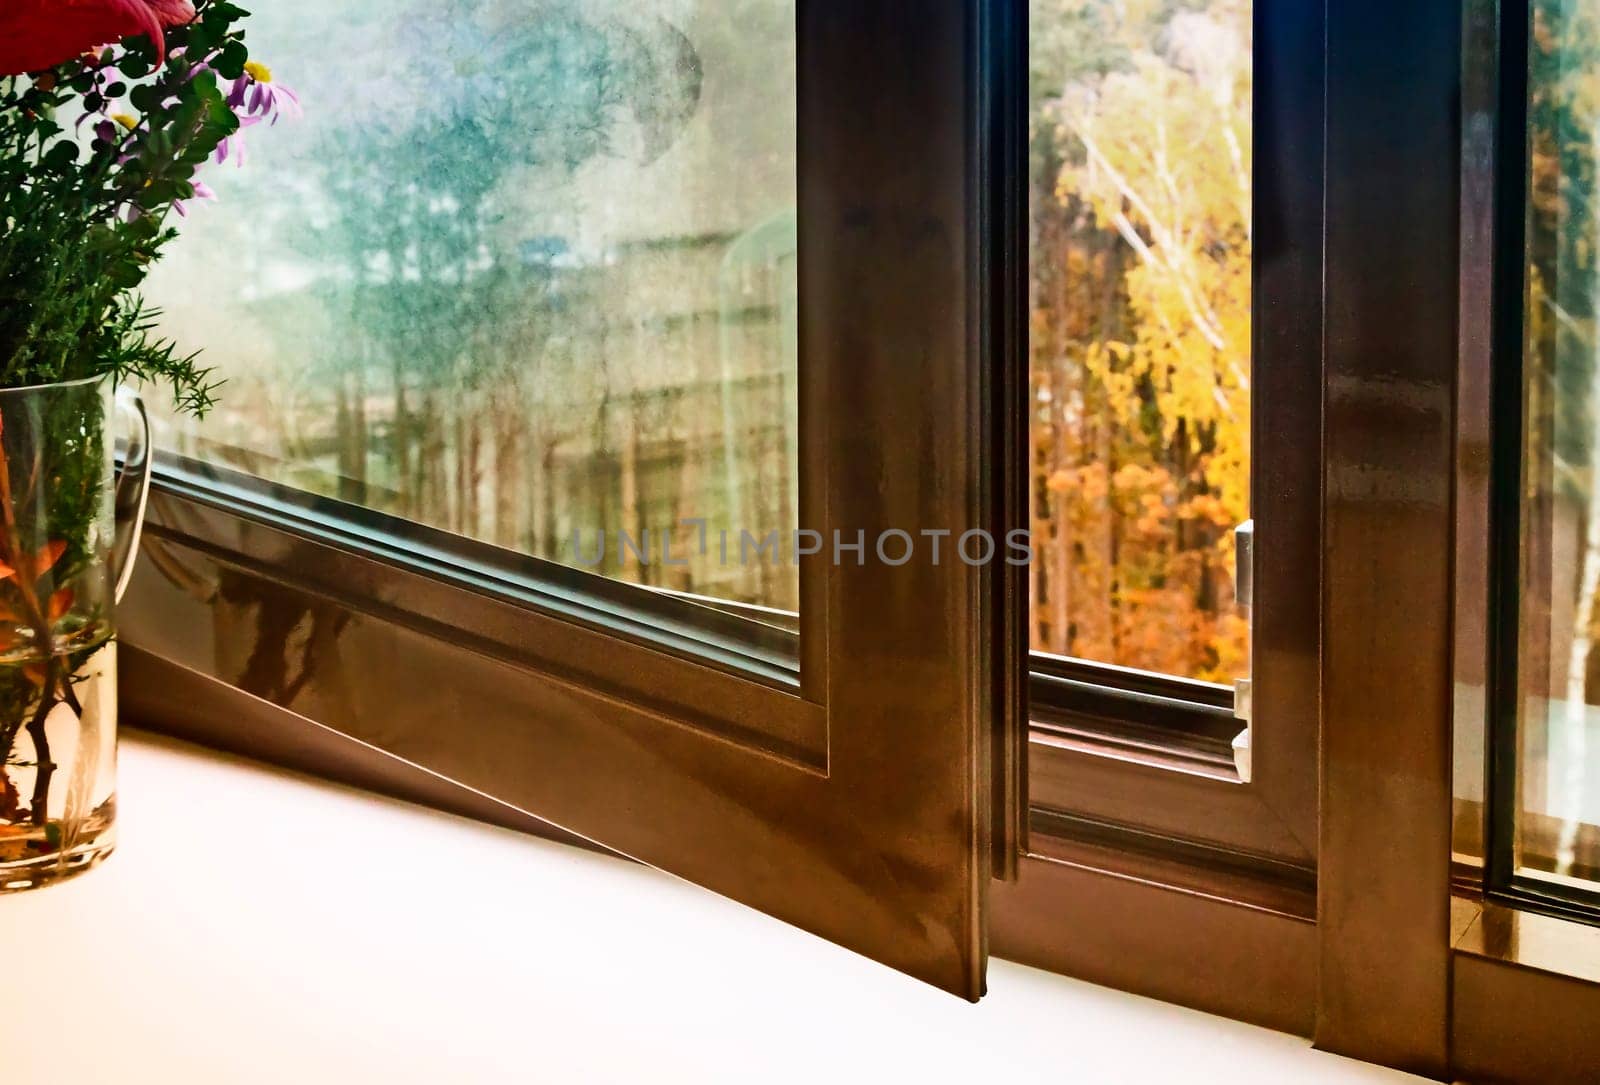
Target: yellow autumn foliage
x=1142 y=335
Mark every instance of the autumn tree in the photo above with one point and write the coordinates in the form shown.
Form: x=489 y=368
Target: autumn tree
x=1141 y=316
x=1563 y=407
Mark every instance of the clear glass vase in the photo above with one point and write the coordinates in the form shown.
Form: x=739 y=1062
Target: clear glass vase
x=62 y=569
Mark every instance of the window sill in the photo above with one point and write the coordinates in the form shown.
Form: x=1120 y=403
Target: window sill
x=300 y=930
x=1527 y=940
x=1525 y=994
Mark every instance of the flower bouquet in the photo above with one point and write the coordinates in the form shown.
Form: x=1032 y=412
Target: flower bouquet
x=108 y=110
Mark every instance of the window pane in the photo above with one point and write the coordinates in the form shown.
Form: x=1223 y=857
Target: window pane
x=1559 y=766
x=1141 y=215
x=524 y=271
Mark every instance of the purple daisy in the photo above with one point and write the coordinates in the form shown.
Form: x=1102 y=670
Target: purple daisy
x=255 y=94
x=202 y=191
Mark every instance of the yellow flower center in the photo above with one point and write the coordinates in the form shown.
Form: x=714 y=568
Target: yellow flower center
x=126 y=121
x=258 y=71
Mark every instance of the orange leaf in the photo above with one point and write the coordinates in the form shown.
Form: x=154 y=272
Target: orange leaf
x=48 y=555
x=60 y=603
x=6 y=571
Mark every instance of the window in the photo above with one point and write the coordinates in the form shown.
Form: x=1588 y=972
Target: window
x=528 y=266
x=495 y=382
x=1521 y=977
x=1141 y=218
x=533 y=282
x=850 y=757
x=1548 y=804
x=1173 y=301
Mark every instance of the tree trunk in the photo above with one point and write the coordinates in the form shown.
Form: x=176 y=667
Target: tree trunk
x=474 y=493
x=435 y=485
x=1575 y=742
x=458 y=443
x=629 y=518
x=343 y=426
x=509 y=461
x=359 y=438
x=400 y=446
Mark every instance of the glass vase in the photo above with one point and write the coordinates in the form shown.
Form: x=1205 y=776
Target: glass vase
x=63 y=565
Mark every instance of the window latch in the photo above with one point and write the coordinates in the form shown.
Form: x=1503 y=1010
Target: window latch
x=1244 y=591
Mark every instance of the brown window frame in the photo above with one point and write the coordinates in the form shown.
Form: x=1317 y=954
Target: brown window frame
x=1118 y=803
x=1411 y=921
x=1149 y=756
x=1516 y=545
x=856 y=779
x=1146 y=867
x=1523 y=970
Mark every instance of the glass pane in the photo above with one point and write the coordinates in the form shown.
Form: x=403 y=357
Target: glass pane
x=523 y=271
x=1140 y=193
x=1559 y=735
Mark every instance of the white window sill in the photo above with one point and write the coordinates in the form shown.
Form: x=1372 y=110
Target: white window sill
x=256 y=926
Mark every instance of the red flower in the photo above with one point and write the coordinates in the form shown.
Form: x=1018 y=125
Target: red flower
x=39 y=34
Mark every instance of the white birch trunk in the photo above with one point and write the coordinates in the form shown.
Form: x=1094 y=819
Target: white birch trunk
x=1575 y=745
x=1574 y=750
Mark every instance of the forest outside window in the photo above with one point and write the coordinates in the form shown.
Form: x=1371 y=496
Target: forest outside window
x=547 y=303
x=1141 y=198
x=504 y=341
x=482 y=349
x=1545 y=789
x=1140 y=190
x=1176 y=227
x=608 y=284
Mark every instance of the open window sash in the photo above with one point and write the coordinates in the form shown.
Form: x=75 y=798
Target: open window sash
x=861 y=791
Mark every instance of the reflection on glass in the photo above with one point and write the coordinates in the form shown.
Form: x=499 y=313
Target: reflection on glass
x=525 y=271
x=1140 y=305
x=1558 y=826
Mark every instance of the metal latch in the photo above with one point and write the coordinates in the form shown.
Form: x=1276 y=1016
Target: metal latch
x=1244 y=591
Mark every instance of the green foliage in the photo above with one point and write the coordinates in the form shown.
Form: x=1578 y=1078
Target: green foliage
x=84 y=201
x=53 y=455
x=93 y=156
x=1564 y=110
x=413 y=236
x=130 y=350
